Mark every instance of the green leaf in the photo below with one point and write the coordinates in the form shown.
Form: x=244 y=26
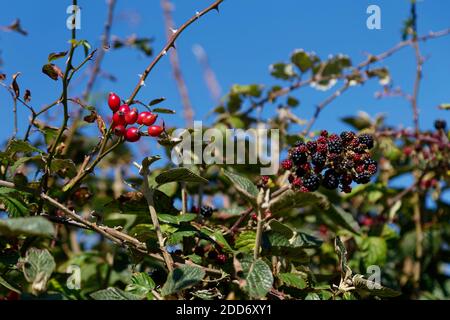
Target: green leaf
x=218 y=237
x=64 y=167
x=360 y=122
x=303 y=60
x=182 y=278
x=168 y=218
x=251 y=90
x=258 y=277
x=373 y=288
x=291 y=199
x=22 y=146
x=56 y=55
x=292 y=280
x=340 y=217
x=374 y=251
x=282 y=71
x=341 y=251
x=15 y=207
x=243 y=185
x=5 y=283
x=141 y=284
x=113 y=294
x=164 y=110
x=38 y=265
x=444 y=106
x=179 y=175
x=245 y=242
x=30 y=226
x=156 y=101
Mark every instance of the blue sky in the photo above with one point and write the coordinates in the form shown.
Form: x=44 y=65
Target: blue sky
x=241 y=42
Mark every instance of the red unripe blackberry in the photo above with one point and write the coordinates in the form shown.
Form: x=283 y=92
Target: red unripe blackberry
x=221 y=258
x=132 y=134
x=286 y=164
x=322 y=148
x=311 y=182
x=324 y=133
x=264 y=180
x=297 y=183
x=347 y=137
x=321 y=140
x=131 y=116
x=113 y=101
x=254 y=216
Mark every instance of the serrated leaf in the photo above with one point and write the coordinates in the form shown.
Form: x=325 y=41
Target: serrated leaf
x=217 y=236
x=242 y=185
x=373 y=288
x=141 y=284
x=245 y=242
x=258 y=277
x=291 y=199
x=64 y=167
x=292 y=280
x=15 y=207
x=179 y=175
x=38 y=265
x=341 y=218
x=182 y=278
x=113 y=294
x=30 y=226
x=22 y=146
x=168 y=218
x=374 y=251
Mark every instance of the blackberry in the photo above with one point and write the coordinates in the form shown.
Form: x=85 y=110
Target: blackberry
x=299 y=143
x=319 y=160
x=345 y=179
x=347 y=136
x=362 y=178
x=360 y=148
x=370 y=162
x=298 y=157
x=330 y=179
x=324 y=133
x=322 y=148
x=312 y=146
x=347 y=164
x=206 y=211
x=440 y=124
x=286 y=164
x=335 y=145
x=311 y=182
x=367 y=140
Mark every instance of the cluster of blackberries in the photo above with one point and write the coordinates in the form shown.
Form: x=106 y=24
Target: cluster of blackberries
x=124 y=116
x=331 y=161
x=204 y=211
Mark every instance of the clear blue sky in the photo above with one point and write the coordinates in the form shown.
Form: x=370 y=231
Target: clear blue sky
x=241 y=42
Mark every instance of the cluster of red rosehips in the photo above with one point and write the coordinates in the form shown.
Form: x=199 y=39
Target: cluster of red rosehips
x=124 y=116
x=345 y=158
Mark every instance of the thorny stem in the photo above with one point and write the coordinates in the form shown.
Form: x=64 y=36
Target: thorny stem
x=171 y=44
x=175 y=62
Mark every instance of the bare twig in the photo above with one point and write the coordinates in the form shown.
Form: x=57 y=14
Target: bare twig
x=171 y=44
x=167 y=7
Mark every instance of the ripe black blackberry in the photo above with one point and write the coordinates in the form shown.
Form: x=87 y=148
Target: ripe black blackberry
x=347 y=164
x=335 y=146
x=206 y=211
x=366 y=139
x=312 y=146
x=345 y=179
x=370 y=162
x=362 y=178
x=330 y=179
x=440 y=124
x=347 y=136
x=311 y=182
x=298 y=157
x=319 y=160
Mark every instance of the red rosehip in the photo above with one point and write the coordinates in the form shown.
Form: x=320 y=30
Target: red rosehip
x=155 y=131
x=131 y=116
x=118 y=119
x=132 y=134
x=119 y=130
x=141 y=116
x=221 y=258
x=113 y=102
x=149 y=119
x=124 y=109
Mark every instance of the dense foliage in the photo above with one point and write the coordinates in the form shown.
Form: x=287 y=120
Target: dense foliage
x=85 y=219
